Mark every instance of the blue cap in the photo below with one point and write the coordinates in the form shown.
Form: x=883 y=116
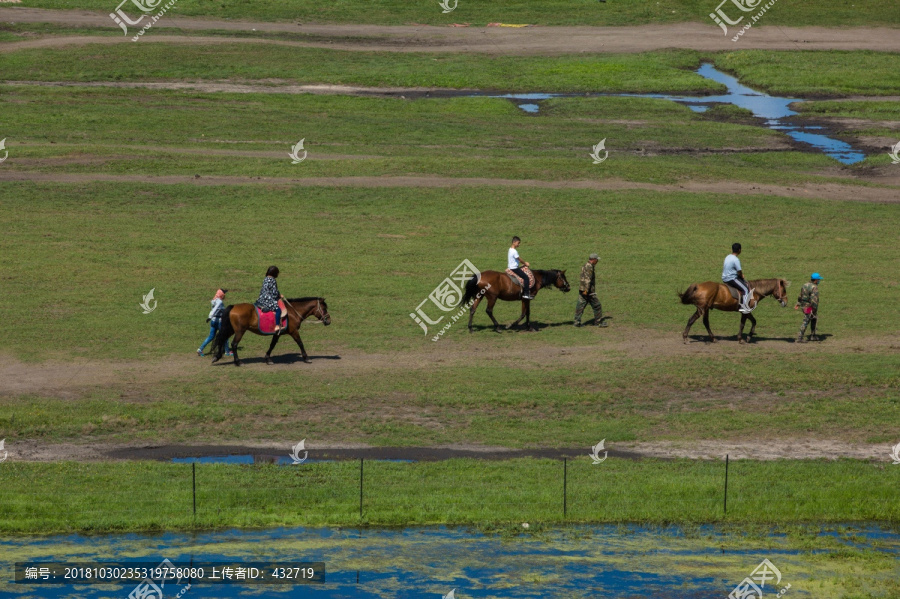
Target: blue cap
x=816 y=277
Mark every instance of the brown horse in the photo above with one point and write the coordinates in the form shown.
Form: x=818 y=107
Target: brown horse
x=495 y=285
x=241 y=318
x=716 y=296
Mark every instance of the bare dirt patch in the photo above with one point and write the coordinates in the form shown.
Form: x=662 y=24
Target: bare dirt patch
x=269 y=451
x=488 y=40
x=70 y=379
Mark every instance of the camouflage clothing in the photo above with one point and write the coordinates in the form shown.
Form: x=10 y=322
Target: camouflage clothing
x=587 y=282
x=583 y=301
x=587 y=294
x=809 y=297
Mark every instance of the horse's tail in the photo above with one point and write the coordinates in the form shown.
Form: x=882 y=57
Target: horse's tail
x=471 y=290
x=220 y=343
x=687 y=298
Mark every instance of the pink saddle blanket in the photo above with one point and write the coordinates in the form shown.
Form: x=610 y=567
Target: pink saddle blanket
x=267 y=319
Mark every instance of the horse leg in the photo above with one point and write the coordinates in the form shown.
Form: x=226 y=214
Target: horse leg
x=490 y=312
x=706 y=324
x=296 y=336
x=741 y=330
x=472 y=311
x=234 y=345
x=521 y=316
x=271 y=347
x=752 y=327
x=528 y=316
x=690 y=323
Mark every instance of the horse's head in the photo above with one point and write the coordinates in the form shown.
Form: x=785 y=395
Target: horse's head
x=779 y=292
x=561 y=282
x=321 y=311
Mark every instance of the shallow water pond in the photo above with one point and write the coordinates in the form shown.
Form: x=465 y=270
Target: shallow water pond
x=770 y=108
x=578 y=561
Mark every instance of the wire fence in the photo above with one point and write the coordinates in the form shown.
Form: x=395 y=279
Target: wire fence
x=148 y=495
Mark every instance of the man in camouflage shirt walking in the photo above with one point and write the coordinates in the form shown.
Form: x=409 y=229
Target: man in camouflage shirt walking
x=587 y=294
x=809 y=301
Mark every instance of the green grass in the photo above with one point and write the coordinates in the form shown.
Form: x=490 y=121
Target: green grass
x=823 y=73
x=826 y=13
x=664 y=398
x=130 y=496
x=657 y=71
x=85 y=240
x=98 y=248
x=133 y=131
x=820 y=73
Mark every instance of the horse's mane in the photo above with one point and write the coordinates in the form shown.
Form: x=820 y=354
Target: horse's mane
x=764 y=286
x=548 y=277
x=310 y=298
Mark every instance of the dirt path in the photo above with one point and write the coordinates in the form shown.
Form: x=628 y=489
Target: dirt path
x=490 y=40
x=270 y=451
x=265 y=86
x=71 y=378
x=828 y=191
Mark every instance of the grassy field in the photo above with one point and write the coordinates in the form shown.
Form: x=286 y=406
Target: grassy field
x=114 y=497
x=187 y=240
x=797 y=72
x=81 y=253
x=826 y=13
x=134 y=237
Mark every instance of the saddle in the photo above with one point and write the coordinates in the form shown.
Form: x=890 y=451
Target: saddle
x=517 y=281
x=267 y=319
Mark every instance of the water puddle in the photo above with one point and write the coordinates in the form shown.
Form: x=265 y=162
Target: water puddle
x=578 y=561
x=771 y=109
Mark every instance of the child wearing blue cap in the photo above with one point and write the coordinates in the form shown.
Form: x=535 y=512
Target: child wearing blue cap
x=809 y=301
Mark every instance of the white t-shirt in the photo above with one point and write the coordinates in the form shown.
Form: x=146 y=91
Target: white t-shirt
x=730 y=268
x=512 y=258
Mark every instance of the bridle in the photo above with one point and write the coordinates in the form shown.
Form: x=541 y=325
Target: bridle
x=319 y=312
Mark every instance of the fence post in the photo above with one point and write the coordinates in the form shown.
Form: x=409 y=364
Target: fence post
x=565 y=487
x=725 y=503
x=360 y=486
x=194 y=477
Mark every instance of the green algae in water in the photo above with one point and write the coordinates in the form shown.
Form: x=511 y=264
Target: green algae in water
x=576 y=561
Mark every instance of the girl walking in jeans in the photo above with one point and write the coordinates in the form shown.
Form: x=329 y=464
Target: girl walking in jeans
x=214 y=319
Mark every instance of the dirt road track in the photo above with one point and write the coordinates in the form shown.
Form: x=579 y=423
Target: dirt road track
x=488 y=40
x=268 y=451
x=829 y=191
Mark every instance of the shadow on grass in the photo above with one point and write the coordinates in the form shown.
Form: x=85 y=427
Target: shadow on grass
x=754 y=339
x=282 y=359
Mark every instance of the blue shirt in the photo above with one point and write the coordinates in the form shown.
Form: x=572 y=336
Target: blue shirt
x=730 y=268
